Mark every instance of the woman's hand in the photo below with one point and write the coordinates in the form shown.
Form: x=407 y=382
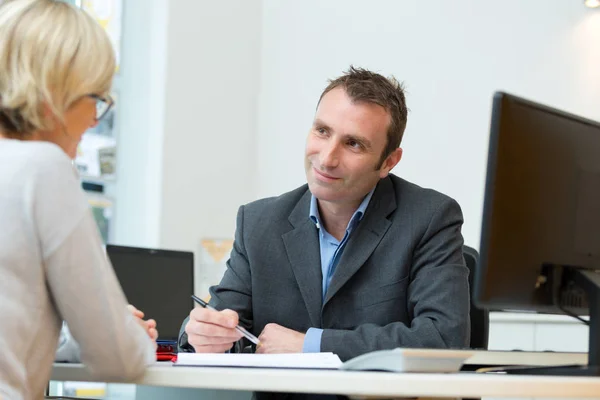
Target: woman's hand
x=149 y=325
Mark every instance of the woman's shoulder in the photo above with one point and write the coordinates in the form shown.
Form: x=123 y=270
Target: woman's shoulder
x=38 y=170
x=45 y=153
x=36 y=157
x=42 y=151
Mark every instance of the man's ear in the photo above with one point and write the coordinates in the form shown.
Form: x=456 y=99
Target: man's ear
x=390 y=162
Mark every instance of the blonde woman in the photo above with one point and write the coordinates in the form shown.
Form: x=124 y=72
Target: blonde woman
x=56 y=68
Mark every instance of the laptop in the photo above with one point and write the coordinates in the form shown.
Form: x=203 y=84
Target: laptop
x=158 y=282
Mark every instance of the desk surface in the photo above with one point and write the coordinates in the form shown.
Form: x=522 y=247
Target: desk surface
x=354 y=383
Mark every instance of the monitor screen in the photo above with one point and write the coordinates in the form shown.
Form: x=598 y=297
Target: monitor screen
x=542 y=202
x=158 y=282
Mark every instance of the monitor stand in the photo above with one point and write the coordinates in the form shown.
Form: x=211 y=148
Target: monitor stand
x=589 y=281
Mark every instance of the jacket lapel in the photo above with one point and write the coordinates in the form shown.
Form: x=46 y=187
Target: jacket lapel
x=366 y=237
x=304 y=254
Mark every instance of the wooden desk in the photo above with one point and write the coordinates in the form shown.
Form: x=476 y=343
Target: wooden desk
x=354 y=384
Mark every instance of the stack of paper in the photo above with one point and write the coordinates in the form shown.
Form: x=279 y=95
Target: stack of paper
x=301 y=360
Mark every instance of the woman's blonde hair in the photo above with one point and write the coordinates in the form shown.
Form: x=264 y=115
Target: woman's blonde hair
x=51 y=54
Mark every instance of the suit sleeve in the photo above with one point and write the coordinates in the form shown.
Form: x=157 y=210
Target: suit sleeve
x=438 y=297
x=235 y=289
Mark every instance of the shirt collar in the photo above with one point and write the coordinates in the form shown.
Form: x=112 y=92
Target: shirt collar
x=356 y=217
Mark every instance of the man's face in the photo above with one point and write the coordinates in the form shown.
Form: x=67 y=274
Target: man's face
x=344 y=147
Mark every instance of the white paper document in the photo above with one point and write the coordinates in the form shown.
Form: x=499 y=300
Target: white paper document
x=296 y=360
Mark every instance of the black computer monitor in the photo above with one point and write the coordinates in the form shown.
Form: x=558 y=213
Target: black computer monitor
x=158 y=282
x=540 y=239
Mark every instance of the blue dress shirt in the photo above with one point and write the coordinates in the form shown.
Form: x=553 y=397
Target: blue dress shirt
x=331 y=252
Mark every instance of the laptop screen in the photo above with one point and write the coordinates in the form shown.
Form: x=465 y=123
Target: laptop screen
x=158 y=282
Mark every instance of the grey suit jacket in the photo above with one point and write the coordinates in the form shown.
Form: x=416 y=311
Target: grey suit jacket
x=401 y=280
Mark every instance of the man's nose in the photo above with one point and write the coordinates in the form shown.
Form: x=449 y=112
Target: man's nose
x=330 y=155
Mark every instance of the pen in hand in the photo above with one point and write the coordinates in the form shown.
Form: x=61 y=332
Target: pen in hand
x=239 y=328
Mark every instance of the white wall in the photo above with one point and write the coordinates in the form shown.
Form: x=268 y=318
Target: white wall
x=140 y=120
x=452 y=55
x=210 y=122
x=187 y=121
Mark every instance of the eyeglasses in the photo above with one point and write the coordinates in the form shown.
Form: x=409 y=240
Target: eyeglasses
x=103 y=105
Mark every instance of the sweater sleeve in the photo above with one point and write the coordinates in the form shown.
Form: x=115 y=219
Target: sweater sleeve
x=88 y=296
x=80 y=279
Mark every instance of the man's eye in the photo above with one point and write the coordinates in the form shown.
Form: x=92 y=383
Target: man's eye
x=322 y=131
x=354 y=144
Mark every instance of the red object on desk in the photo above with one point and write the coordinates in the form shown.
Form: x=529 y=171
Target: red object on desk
x=165 y=356
x=163 y=348
x=166 y=350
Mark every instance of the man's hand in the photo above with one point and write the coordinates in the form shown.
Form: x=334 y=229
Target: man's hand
x=211 y=331
x=149 y=325
x=277 y=339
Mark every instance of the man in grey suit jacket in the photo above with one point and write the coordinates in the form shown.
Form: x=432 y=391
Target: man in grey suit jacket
x=354 y=261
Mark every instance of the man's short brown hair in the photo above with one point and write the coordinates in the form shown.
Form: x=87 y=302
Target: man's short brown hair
x=363 y=85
